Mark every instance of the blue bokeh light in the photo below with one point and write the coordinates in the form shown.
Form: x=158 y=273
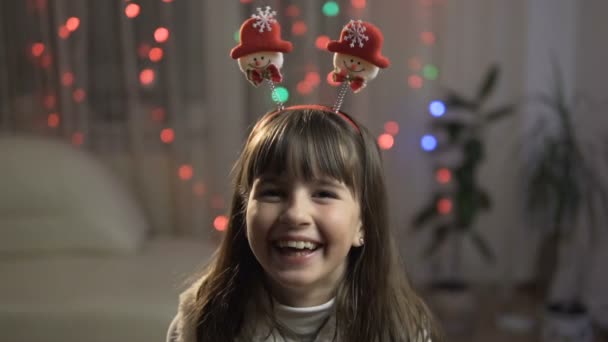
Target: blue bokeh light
x=437 y=108
x=428 y=142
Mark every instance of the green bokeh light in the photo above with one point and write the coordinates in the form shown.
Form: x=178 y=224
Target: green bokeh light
x=430 y=72
x=282 y=94
x=331 y=9
x=237 y=36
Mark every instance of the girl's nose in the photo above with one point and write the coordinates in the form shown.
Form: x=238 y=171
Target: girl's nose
x=296 y=211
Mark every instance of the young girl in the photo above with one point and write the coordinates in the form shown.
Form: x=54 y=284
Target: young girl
x=307 y=254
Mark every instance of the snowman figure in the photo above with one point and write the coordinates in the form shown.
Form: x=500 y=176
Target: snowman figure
x=357 y=55
x=260 y=51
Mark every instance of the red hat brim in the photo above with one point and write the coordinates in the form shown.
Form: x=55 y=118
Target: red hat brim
x=275 y=46
x=341 y=47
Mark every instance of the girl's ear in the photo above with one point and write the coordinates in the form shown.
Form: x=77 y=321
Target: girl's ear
x=359 y=237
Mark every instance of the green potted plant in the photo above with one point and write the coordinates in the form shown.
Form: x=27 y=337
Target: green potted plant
x=453 y=208
x=562 y=184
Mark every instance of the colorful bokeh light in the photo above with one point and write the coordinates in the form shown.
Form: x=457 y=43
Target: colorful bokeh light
x=185 y=172
x=437 y=108
x=386 y=141
x=220 y=223
x=161 y=34
x=428 y=142
x=331 y=9
x=443 y=175
x=167 y=135
x=132 y=10
x=430 y=72
x=391 y=127
x=282 y=94
x=444 y=206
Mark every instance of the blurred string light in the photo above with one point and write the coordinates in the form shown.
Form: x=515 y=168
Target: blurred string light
x=430 y=72
x=299 y=28
x=443 y=175
x=358 y=4
x=185 y=172
x=282 y=94
x=78 y=95
x=220 y=223
x=158 y=114
x=331 y=8
x=63 y=32
x=386 y=141
x=292 y=11
x=428 y=142
x=427 y=37
x=321 y=42
x=414 y=63
x=53 y=120
x=132 y=10
x=415 y=81
x=444 y=206
x=37 y=49
x=391 y=127
x=72 y=24
x=77 y=138
x=155 y=54
x=161 y=34
x=167 y=135
x=199 y=188
x=67 y=79
x=437 y=108
x=146 y=77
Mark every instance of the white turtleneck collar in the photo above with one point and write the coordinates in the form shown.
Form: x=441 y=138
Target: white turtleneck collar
x=304 y=321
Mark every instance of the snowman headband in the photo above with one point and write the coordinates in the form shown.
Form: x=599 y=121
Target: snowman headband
x=357 y=56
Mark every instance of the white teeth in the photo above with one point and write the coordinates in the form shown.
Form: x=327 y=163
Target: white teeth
x=297 y=244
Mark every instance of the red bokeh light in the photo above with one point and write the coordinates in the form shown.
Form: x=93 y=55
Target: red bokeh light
x=427 y=37
x=158 y=114
x=78 y=95
x=415 y=81
x=146 y=76
x=155 y=54
x=50 y=101
x=199 y=188
x=77 y=138
x=444 y=206
x=67 y=79
x=313 y=78
x=220 y=223
x=37 y=49
x=161 y=34
x=53 y=120
x=414 y=63
x=443 y=175
x=321 y=42
x=63 y=32
x=292 y=11
x=299 y=28
x=386 y=141
x=358 y=4
x=132 y=10
x=304 y=88
x=167 y=135
x=391 y=127
x=185 y=172
x=72 y=24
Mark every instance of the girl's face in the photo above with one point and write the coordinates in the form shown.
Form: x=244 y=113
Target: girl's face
x=301 y=232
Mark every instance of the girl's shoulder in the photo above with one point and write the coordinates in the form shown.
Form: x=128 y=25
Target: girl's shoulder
x=183 y=326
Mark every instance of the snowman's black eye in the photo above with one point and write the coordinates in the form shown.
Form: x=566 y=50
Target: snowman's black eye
x=359 y=63
x=262 y=57
x=255 y=58
x=351 y=60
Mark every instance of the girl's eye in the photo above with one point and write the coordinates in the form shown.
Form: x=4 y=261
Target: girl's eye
x=326 y=194
x=271 y=193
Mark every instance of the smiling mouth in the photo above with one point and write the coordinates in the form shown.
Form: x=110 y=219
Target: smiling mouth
x=262 y=67
x=351 y=70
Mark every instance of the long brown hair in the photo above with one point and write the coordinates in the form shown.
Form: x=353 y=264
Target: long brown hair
x=375 y=301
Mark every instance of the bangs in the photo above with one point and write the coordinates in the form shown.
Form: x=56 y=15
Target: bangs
x=307 y=145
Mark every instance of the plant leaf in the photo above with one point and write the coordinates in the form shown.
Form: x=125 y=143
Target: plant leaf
x=482 y=246
x=488 y=83
x=500 y=113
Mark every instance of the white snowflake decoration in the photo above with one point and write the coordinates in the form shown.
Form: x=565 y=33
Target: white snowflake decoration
x=264 y=18
x=355 y=33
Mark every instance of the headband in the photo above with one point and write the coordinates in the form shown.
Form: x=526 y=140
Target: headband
x=357 y=57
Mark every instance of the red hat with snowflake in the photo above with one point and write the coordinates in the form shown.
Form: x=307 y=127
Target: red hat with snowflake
x=260 y=33
x=361 y=39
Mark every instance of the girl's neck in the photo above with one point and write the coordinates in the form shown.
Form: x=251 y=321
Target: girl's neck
x=301 y=298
